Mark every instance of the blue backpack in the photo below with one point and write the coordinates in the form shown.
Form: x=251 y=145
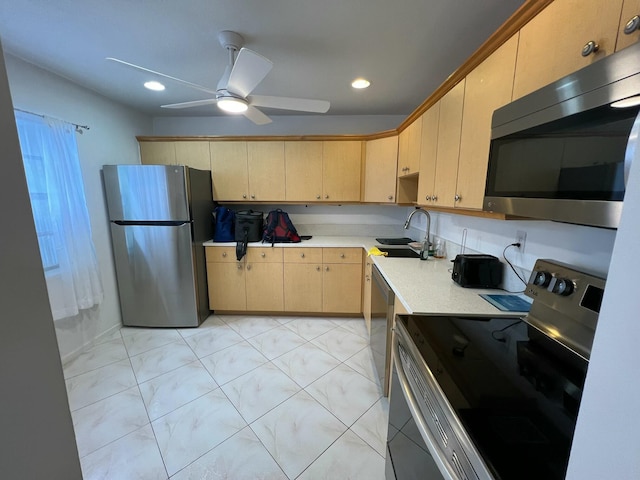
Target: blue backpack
x=225 y=222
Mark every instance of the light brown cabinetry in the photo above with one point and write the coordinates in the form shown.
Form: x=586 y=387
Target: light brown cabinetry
x=157 y=153
x=448 y=147
x=225 y=279
x=265 y=163
x=342 y=280
x=341 y=170
x=381 y=162
x=409 y=149
x=303 y=171
x=629 y=28
x=366 y=290
x=264 y=279
x=428 y=154
x=229 y=173
x=551 y=44
x=487 y=87
x=302 y=279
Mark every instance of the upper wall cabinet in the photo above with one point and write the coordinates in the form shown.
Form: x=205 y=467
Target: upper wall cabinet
x=629 y=29
x=341 y=170
x=303 y=171
x=448 y=148
x=566 y=36
x=409 y=149
x=428 y=154
x=487 y=88
x=265 y=164
x=229 y=173
x=381 y=163
x=157 y=153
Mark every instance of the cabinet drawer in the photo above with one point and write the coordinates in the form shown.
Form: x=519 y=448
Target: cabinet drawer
x=264 y=254
x=220 y=254
x=341 y=255
x=302 y=255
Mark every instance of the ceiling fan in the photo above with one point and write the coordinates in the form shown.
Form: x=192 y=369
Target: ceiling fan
x=242 y=75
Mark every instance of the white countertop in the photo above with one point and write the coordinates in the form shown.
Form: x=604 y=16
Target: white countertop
x=423 y=287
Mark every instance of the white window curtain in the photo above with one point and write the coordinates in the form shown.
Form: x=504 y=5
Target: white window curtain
x=52 y=167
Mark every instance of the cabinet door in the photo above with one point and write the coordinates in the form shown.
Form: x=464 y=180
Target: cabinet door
x=381 y=163
x=366 y=292
x=303 y=287
x=157 y=153
x=342 y=288
x=266 y=171
x=341 y=170
x=448 y=146
x=551 y=43
x=229 y=173
x=630 y=13
x=487 y=88
x=264 y=287
x=193 y=154
x=428 y=154
x=226 y=283
x=409 y=149
x=303 y=164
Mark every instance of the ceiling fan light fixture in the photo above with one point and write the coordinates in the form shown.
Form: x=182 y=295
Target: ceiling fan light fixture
x=232 y=105
x=627 y=102
x=360 y=83
x=153 y=85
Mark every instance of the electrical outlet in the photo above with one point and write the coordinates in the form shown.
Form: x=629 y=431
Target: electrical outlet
x=521 y=238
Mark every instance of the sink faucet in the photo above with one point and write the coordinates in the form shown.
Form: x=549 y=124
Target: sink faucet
x=424 y=251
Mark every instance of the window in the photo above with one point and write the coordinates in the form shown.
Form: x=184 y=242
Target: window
x=54 y=179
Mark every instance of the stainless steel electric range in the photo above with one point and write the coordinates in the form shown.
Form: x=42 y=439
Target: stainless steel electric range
x=493 y=398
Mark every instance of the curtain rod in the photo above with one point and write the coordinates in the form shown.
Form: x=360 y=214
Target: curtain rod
x=79 y=128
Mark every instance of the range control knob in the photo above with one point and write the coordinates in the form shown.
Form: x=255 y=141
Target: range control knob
x=542 y=278
x=563 y=287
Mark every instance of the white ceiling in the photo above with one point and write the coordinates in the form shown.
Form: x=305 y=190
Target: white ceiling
x=406 y=48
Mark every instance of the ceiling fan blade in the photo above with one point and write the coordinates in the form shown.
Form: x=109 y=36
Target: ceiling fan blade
x=289 y=103
x=163 y=75
x=248 y=71
x=256 y=116
x=195 y=103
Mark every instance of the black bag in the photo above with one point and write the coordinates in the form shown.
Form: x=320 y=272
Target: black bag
x=279 y=229
x=225 y=222
x=248 y=229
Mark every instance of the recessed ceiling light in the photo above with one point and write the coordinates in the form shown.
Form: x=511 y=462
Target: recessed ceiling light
x=360 y=83
x=627 y=102
x=155 y=86
x=232 y=105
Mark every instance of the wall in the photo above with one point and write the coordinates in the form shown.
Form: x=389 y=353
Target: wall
x=37 y=431
x=111 y=139
x=281 y=125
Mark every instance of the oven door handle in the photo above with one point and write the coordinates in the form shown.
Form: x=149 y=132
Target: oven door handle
x=416 y=413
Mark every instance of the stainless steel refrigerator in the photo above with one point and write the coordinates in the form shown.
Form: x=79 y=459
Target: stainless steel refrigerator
x=159 y=216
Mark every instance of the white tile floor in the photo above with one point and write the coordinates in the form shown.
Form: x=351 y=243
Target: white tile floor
x=237 y=398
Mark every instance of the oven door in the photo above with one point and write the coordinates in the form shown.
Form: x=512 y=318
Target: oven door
x=425 y=438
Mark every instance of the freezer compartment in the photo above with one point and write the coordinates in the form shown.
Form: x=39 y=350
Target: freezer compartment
x=155 y=269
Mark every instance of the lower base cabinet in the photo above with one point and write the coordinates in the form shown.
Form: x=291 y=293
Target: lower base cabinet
x=291 y=279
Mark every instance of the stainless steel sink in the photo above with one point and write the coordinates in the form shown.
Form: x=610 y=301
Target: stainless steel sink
x=399 y=252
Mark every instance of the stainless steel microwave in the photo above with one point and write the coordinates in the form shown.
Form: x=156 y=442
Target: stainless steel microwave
x=563 y=152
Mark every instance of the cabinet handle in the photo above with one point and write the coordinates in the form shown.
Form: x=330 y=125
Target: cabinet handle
x=326 y=196
x=239 y=266
x=632 y=25
x=224 y=254
x=244 y=195
x=263 y=255
x=434 y=198
x=589 y=48
x=248 y=267
x=390 y=197
x=302 y=255
x=457 y=198
x=317 y=197
x=342 y=255
x=368 y=279
x=326 y=269
x=428 y=198
x=317 y=269
x=253 y=196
